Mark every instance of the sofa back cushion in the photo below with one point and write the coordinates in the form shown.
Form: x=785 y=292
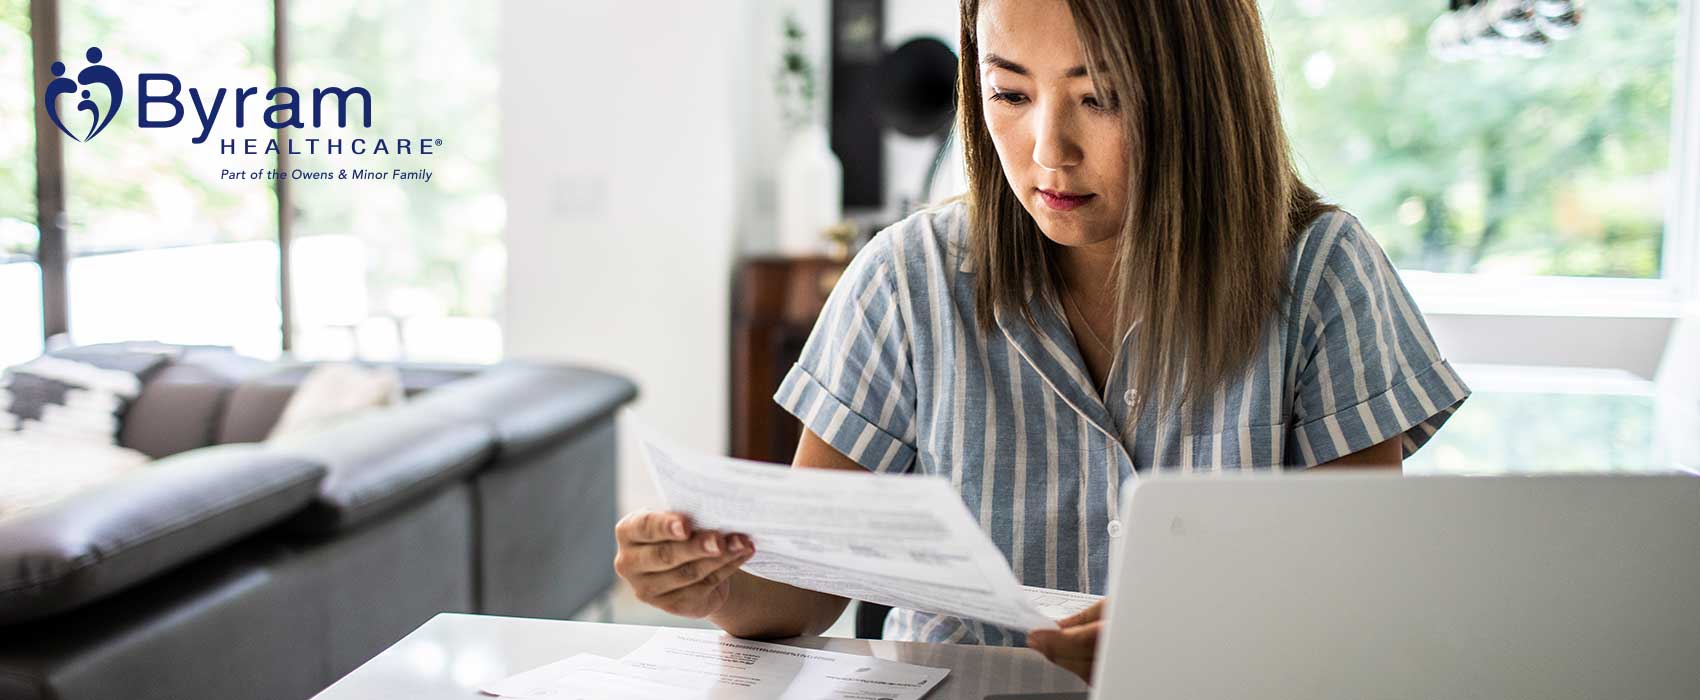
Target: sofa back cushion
x=181 y=407
x=255 y=405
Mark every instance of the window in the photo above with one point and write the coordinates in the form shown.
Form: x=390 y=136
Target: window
x=20 y=324
x=386 y=269
x=17 y=145
x=20 y=278
x=1553 y=166
x=1548 y=419
x=161 y=247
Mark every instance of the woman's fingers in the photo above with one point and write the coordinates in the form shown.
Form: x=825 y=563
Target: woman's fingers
x=649 y=527
x=692 y=572
x=1073 y=648
x=674 y=566
x=665 y=556
x=700 y=587
x=1092 y=613
x=649 y=543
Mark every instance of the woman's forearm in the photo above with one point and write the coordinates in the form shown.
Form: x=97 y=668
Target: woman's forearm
x=757 y=608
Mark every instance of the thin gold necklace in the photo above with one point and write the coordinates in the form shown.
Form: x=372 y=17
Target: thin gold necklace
x=1068 y=295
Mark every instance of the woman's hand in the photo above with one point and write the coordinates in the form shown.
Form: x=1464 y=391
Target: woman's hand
x=1074 y=646
x=675 y=569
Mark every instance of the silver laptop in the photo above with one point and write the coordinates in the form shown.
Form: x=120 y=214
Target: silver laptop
x=1537 y=588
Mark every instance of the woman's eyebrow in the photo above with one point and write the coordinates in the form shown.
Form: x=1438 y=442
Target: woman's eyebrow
x=997 y=61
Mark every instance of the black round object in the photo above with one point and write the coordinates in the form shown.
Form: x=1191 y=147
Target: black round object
x=918 y=87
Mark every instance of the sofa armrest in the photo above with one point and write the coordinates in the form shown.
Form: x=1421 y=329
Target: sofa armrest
x=532 y=406
x=97 y=542
x=383 y=459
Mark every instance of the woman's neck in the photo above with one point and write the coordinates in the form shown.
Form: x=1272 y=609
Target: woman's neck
x=1089 y=304
x=1086 y=270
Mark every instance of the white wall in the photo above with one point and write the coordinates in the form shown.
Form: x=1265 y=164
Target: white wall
x=639 y=150
x=621 y=161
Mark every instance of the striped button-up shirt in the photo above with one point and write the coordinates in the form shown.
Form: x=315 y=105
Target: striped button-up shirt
x=899 y=377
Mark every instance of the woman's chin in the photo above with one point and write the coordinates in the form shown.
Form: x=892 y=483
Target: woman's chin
x=1080 y=226
x=1073 y=233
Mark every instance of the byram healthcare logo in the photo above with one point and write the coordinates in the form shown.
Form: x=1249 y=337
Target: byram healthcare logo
x=157 y=97
x=94 y=75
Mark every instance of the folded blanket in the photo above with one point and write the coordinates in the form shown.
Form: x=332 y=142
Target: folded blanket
x=38 y=469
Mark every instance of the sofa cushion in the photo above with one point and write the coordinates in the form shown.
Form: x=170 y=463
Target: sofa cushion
x=530 y=406
x=420 y=377
x=253 y=407
x=177 y=411
x=380 y=460
x=105 y=539
x=181 y=406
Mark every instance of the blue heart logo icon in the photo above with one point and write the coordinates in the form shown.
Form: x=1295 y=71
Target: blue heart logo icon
x=94 y=74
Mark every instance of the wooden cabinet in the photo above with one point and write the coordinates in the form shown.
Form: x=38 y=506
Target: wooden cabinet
x=775 y=302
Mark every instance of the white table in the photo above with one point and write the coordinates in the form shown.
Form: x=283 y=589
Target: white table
x=451 y=655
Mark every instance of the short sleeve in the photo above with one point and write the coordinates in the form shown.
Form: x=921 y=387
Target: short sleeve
x=854 y=385
x=1369 y=368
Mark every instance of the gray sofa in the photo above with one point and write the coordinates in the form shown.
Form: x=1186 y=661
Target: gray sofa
x=231 y=568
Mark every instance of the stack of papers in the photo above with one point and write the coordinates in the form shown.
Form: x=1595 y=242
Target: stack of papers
x=686 y=664
x=1057 y=604
x=899 y=540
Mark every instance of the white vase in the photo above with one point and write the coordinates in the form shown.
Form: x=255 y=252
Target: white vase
x=811 y=187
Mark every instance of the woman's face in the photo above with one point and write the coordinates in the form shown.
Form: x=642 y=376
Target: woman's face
x=1059 y=141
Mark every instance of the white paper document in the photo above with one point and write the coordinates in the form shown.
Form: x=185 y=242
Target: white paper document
x=688 y=664
x=898 y=540
x=1056 y=604
x=585 y=677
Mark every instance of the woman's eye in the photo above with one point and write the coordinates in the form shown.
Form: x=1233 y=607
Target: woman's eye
x=1010 y=98
x=1092 y=102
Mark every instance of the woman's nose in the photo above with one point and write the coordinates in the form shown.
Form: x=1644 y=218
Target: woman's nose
x=1054 y=144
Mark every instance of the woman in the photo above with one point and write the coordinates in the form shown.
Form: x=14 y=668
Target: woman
x=1136 y=282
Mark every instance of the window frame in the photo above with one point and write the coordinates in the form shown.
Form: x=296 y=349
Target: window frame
x=51 y=222
x=1682 y=227
x=1663 y=297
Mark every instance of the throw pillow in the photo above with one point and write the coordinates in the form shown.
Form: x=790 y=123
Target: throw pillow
x=333 y=392
x=78 y=393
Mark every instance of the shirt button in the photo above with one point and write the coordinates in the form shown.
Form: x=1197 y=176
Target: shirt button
x=1130 y=396
x=1115 y=528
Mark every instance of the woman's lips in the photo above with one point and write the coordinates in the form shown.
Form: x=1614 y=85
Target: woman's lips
x=1064 y=201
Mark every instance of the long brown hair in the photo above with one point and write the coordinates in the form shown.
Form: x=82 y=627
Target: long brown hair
x=1215 y=202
